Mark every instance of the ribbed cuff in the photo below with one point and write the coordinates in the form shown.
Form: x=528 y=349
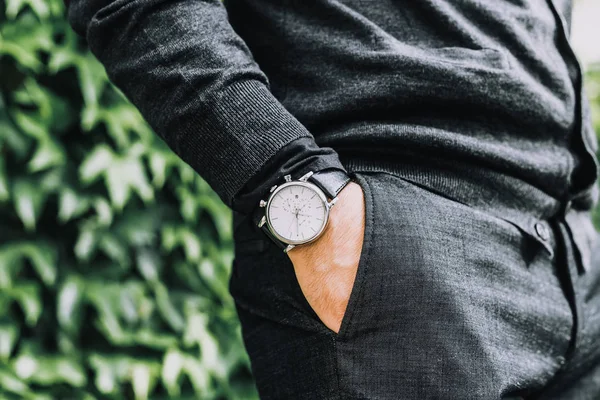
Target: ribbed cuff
x=296 y=159
x=246 y=126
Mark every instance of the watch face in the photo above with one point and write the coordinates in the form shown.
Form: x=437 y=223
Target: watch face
x=297 y=212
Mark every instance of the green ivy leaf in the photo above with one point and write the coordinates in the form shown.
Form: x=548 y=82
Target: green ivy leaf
x=166 y=308
x=86 y=244
x=122 y=177
x=48 y=154
x=11 y=138
x=13 y=7
x=171 y=371
x=70 y=299
x=8 y=338
x=4 y=193
x=49 y=370
x=71 y=204
x=12 y=384
x=92 y=80
x=106 y=301
x=28 y=201
x=111 y=371
x=219 y=212
x=143 y=379
x=27 y=295
x=23 y=49
x=159 y=164
x=148 y=264
x=61 y=58
x=31 y=125
x=123 y=174
x=96 y=164
x=103 y=211
x=106 y=377
x=199 y=377
x=44 y=260
x=114 y=248
x=41 y=255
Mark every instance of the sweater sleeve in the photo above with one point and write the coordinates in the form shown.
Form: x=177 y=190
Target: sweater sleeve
x=196 y=83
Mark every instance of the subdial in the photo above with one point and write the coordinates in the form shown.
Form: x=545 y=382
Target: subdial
x=296 y=213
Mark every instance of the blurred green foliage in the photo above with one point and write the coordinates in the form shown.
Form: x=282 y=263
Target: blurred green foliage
x=114 y=255
x=592 y=80
x=593 y=91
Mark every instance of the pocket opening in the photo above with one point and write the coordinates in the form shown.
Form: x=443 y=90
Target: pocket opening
x=362 y=269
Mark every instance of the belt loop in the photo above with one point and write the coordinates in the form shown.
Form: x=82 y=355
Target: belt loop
x=565 y=207
x=567 y=266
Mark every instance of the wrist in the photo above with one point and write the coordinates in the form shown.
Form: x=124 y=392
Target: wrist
x=339 y=212
x=308 y=202
x=340 y=215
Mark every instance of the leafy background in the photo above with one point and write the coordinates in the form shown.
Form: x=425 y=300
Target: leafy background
x=114 y=255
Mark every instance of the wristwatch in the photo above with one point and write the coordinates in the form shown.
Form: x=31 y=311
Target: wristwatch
x=297 y=211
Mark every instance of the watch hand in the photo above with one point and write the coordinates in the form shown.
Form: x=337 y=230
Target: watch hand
x=297 y=226
x=290 y=227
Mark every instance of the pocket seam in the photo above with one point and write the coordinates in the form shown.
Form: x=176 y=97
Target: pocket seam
x=357 y=289
x=519 y=234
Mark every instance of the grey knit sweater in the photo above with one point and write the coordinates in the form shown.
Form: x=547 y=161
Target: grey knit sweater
x=246 y=90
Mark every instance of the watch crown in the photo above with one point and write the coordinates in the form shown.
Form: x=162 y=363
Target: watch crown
x=272 y=188
x=262 y=203
x=288 y=178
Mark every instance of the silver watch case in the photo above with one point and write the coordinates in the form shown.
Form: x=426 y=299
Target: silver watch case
x=300 y=182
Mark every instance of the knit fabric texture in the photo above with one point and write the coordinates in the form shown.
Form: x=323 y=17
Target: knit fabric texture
x=244 y=91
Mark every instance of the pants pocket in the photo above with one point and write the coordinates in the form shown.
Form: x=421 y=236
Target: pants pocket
x=361 y=274
x=264 y=282
x=363 y=179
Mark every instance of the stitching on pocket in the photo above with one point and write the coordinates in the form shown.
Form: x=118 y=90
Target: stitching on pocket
x=484 y=58
x=518 y=232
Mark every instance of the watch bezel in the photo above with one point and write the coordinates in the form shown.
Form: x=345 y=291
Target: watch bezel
x=319 y=193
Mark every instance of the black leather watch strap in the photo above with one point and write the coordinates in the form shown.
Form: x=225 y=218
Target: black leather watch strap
x=257 y=215
x=331 y=181
x=270 y=235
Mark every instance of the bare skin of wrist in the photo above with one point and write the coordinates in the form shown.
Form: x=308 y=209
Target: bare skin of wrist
x=326 y=268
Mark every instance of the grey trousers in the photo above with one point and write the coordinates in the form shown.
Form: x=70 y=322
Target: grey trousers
x=449 y=302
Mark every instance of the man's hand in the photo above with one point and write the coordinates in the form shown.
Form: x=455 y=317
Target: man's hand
x=326 y=268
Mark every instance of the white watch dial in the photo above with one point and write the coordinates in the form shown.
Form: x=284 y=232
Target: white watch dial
x=297 y=212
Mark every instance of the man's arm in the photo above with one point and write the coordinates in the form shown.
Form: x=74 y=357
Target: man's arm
x=194 y=80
